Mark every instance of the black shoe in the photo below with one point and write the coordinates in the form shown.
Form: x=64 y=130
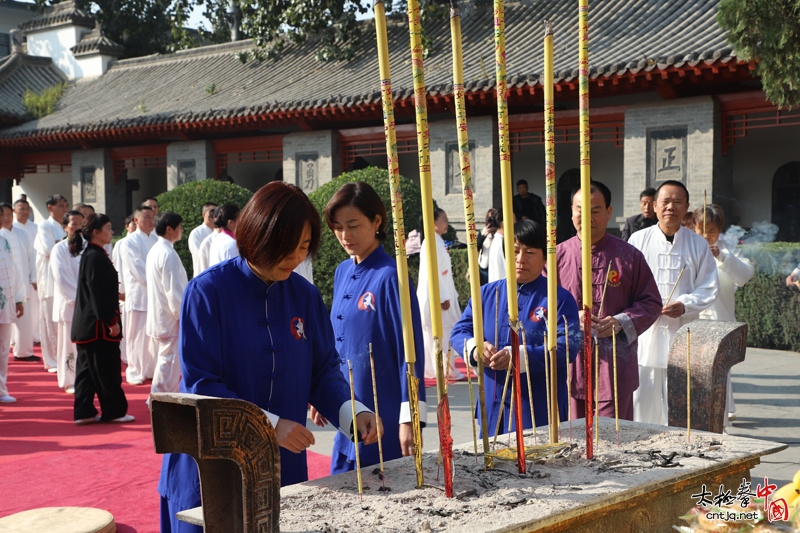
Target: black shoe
x=29 y=359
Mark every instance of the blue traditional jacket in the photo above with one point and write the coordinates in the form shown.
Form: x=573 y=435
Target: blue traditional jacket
x=366 y=309
x=270 y=345
x=532 y=301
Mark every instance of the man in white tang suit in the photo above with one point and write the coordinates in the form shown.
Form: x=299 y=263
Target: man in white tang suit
x=22 y=213
x=65 y=268
x=139 y=347
x=166 y=281
x=50 y=232
x=199 y=233
x=668 y=247
x=25 y=269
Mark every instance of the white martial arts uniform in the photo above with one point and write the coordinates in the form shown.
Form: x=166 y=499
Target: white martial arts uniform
x=50 y=232
x=497 y=259
x=205 y=249
x=117 y=262
x=223 y=247
x=447 y=291
x=734 y=271
x=166 y=281
x=31 y=295
x=65 y=269
x=196 y=238
x=697 y=290
x=140 y=348
x=12 y=290
x=25 y=264
x=306 y=270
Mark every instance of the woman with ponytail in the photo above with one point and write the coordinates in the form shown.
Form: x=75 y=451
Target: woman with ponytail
x=96 y=327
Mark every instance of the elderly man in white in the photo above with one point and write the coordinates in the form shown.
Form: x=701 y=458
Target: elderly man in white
x=50 y=232
x=25 y=268
x=139 y=347
x=199 y=233
x=669 y=248
x=22 y=214
x=166 y=281
x=116 y=259
x=65 y=268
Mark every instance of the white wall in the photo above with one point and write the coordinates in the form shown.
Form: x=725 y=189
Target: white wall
x=56 y=43
x=253 y=176
x=756 y=158
x=92 y=66
x=40 y=187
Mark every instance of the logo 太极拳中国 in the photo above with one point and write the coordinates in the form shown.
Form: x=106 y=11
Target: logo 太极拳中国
x=298 y=327
x=366 y=302
x=538 y=314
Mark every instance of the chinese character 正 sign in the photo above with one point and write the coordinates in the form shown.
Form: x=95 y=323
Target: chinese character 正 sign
x=666 y=155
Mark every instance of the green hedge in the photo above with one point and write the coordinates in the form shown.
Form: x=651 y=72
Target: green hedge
x=187 y=200
x=771 y=309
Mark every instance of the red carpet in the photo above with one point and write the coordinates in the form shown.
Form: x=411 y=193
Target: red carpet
x=460 y=366
x=47 y=461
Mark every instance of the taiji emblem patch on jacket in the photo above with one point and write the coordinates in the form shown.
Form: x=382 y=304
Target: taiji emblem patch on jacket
x=298 y=327
x=539 y=314
x=366 y=302
x=614 y=278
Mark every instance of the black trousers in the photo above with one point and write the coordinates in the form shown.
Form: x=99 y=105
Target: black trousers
x=98 y=370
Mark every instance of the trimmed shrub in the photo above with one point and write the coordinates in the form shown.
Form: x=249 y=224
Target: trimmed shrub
x=765 y=302
x=187 y=200
x=331 y=253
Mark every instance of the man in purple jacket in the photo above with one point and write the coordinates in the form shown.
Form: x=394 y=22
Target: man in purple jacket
x=632 y=304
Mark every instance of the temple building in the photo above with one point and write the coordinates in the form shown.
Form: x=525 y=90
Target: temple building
x=669 y=100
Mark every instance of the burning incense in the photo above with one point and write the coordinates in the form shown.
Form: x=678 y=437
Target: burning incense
x=586 y=202
x=502 y=404
x=597 y=391
x=676 y=285
x=472 y=403
x=375 y=398
x=688 y=385
x=355 y=431
x=569 y=385
x=530 y=389
x=605 y=286
x=496 y=318
x=616 y=397
x=399 y=230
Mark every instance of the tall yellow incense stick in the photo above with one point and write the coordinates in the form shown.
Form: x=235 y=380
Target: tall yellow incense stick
x=705 y=231
x=424 y=160
x=548 y=383
x=530 y=388
x=616 y=397
x=355 y=431
x=472 y=407
x=377 y=415
x=688 y=385
x=469 y=218
x=586 y=222
x=550 y=188
x=597 y=392
x=569 y=377
x=399 y=231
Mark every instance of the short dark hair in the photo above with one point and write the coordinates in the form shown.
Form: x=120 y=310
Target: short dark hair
x=421 y=229
x=89 y=206
x=673 y=183
x=6 y=204
x=522 y=182
x=208 y=206
x=167 y=219
x=53 y=200
x=714 y=215
x=68 y=214
x=150 y=198
x=272 y=223
x=21 y=201
x=647 y=192
x=362 y=196
x=490 y=221
x=138 y=211
x=595 y=186
x=225 y=214
x=128 y=220
x=531 y=234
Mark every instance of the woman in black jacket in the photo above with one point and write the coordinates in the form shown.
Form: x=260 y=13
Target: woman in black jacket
x=96 y=327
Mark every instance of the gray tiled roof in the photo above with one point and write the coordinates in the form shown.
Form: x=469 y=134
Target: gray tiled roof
x=60 y=14
x=95 y=42
x=19 y=72
x=627 y=36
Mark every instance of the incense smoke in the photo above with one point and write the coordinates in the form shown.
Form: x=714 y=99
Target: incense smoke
x=759 y=233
